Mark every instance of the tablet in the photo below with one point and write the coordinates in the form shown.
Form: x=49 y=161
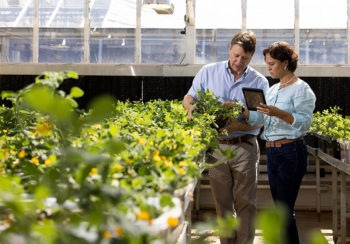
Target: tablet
x=253 y=97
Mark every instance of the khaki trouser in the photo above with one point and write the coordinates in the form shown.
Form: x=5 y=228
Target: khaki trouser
x=233 y=183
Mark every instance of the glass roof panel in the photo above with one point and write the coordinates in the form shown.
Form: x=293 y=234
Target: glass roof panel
x=221 y=14
x=270 y=14
x=16 y=13
x=316 y=14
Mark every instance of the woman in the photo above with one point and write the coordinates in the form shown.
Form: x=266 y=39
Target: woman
x=286 y=118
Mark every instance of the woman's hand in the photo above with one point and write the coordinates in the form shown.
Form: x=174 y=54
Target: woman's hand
x=274 y=111
x=268 y=109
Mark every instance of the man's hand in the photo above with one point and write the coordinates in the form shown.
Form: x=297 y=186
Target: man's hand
x=190 y=112
x=232 y=126
x=230 y=103
x=188 y=103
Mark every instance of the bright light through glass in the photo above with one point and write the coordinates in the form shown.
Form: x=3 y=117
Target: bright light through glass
x=219 y=14
x=270 y=14
x=316 y=14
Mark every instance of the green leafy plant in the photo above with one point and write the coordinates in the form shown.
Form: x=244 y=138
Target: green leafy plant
x=332 y=124
x=208 y=103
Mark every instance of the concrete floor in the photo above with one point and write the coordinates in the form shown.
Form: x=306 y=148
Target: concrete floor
x=307 y=221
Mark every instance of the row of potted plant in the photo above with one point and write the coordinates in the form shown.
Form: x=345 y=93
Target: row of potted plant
x=330 y=132
x=115 y=173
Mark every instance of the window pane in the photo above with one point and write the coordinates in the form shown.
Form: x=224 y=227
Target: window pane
x=161 y=38
x=65 y=46
x=98 y=12
x=150 y=19
x=20 y=50
x=270 y=14
x=162 y=46
x=219 y=15
x=120 y=14
x=316 y=14
x=266 y=38
x=61 y=31
x=323 y=47
x=213 y=45
x=112 y=46
x=16 y=13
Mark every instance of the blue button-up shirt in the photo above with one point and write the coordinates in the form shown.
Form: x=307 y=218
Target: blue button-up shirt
x=217 y=77
x=297 y=99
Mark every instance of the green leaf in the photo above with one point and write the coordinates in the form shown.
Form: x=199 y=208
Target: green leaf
x=317 y=237
x=101 y=108
x=114 y=147
x=166 y=200
x=10 y=95
x=272 y=222
x=76 y=92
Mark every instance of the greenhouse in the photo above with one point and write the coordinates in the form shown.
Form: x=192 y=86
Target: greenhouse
x=174 y=121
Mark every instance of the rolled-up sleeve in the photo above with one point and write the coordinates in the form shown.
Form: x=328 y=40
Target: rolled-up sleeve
x=255 y=118
x=196 y=84
x=304 y=103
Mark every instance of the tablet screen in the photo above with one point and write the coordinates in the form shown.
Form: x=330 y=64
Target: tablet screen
x=253 y=97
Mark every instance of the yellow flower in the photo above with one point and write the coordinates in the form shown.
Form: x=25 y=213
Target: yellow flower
x=141 y=141
x=5 y=131
x=118 y=166
x=168 y=163
x=96 y=126
x=181 y=171
x=156 y=158
x=128 y=161
x=143 y=215
x=163 y=158
x=182 y=163
x=107 y=235
x=47 y=162
x=147 y=158
x=173 y=222
x=43 y=129
x=118 y=231
x=93 y=171
x=22 y=154
x=35 y=160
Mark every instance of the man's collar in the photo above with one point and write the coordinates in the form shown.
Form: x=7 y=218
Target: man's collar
x=229 y=70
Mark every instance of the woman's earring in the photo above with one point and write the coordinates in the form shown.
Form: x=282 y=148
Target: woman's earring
x=285 y=68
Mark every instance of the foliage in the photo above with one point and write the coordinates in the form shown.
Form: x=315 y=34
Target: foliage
x=330 y=123
x=109 y=173
x=208 y=103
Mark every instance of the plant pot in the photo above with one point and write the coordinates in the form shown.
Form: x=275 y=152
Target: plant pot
x=328 y=145
x=311 y=140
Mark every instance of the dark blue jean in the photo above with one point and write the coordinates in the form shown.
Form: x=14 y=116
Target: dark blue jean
x=286 y=167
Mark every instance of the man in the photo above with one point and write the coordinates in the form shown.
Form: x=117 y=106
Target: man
x=233 y=181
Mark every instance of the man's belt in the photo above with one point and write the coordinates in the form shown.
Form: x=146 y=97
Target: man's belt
x=279 y=143
x=237 y=140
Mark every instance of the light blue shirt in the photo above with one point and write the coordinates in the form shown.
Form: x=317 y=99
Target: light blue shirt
x=217 y=77
x=297 y=99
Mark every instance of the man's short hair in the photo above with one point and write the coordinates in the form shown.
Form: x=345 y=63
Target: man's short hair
x=246 y=39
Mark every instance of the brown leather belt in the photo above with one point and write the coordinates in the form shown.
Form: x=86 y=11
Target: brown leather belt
x=237 y=140
x=279 y=143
